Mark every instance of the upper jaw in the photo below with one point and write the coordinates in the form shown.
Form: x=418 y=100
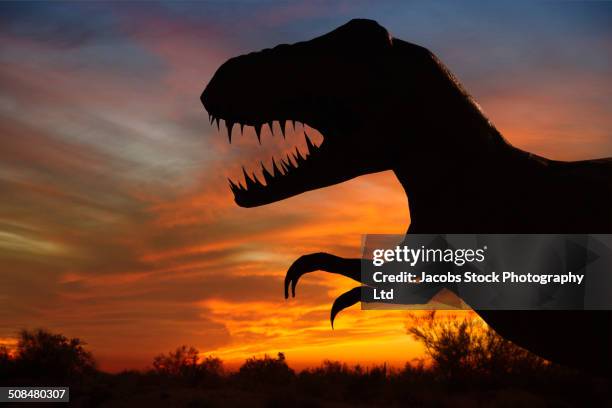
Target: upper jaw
x=335 y=160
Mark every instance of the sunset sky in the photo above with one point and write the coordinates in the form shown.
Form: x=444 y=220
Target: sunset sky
x=116 y=222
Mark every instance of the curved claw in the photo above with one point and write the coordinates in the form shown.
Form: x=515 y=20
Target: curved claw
x=321 y=261
x=344 y=301
x=300 y=267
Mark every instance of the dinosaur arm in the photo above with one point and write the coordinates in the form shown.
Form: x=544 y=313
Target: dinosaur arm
x=351 y=268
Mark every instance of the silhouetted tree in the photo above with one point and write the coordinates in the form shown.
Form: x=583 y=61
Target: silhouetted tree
x=184 y=363
x=181 y=362
x=6 y=364
x=44 y=355
x=5 y=355
x=463 y=350
x=211 y=369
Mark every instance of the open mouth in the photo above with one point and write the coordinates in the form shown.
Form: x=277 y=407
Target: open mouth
x=289 y=171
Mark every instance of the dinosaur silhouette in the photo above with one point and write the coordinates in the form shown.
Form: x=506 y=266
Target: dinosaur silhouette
x=385 y=104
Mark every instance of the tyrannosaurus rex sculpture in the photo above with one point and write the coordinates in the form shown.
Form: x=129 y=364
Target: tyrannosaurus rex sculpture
x=385 y=104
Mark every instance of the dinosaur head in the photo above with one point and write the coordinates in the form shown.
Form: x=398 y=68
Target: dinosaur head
x=338 y=84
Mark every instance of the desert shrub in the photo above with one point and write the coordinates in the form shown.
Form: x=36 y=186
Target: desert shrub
x=184 y=364
x=468 y=347
x=368 y=383
x=329 y=380
x=265 y=371
x=413 y=379
x=337 y=381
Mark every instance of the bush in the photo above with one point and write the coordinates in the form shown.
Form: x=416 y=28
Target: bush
x=337 y=381
x=266 y=370
x=468 y=347
x=184 y=363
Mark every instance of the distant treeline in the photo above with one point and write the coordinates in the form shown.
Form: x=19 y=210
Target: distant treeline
x=469 y=363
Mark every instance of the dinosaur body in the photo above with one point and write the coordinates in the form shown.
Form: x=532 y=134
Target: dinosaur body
x=385 y=104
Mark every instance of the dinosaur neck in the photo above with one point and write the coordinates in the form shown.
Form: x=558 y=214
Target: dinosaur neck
x=464 y=187
x=461 y=176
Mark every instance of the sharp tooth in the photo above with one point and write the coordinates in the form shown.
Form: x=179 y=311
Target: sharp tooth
x=210 y=118
x=266 y=174
x=309 y=145
x=275 y=170
x=271 y=126
x=257 y=182
x=283 y=124
x=258 y=131
x=290 y=161
x=297 y=161
x=229 y=125
x=286 y=166
x=249 y=182
x=299 y=158
x=233 y=186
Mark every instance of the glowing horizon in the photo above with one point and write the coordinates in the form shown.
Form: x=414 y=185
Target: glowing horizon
x=117 y=225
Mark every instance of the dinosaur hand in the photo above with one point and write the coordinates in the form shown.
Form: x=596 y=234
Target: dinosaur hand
x=321 y=261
